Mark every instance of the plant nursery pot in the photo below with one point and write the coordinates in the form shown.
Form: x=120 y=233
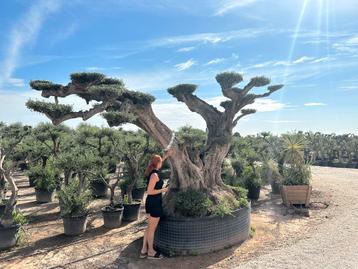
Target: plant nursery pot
x=112 y=218
x=254 y=193
x=8 y=236
x=296 y=194
x=44 y=196
x=191 y=236
x=131 y=211
x=3 y=206
x=138 y=194
x=32 y=181
x=99 y=189
x=275 y=188
x=74 y=225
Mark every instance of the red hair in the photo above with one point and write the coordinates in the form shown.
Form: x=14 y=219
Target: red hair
x=154 y=161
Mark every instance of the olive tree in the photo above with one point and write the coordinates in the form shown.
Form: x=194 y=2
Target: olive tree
x=11 y=138
x=120 y=105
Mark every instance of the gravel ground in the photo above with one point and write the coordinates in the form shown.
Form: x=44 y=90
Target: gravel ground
x=332 y=244
x=327 y=239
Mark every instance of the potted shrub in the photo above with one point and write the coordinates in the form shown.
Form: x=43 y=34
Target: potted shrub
x=295 y=186
x=296 y=172
x=45 y=179
x=98 y=184
x=131 y=208
x=112 y=213
x=74 y=200
x=271 y=174
x=139 y=190
x=11 y=222
x=252 y=182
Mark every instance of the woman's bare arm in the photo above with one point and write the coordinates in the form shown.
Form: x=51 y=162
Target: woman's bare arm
x=152 y=181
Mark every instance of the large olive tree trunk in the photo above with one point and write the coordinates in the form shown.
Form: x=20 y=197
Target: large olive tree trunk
x=122 y=106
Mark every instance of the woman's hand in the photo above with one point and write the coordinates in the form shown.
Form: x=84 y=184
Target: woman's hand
x=167 y=153
x=165 y=189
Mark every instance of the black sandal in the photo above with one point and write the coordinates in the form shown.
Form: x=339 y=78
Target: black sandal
x=143 y=255
x=157 y=256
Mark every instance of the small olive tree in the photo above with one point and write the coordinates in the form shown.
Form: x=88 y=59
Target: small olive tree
x=11 y=138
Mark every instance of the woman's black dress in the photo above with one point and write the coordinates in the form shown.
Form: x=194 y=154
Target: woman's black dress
x=153 y=203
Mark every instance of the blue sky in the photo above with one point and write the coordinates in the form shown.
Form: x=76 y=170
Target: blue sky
x=309 y=45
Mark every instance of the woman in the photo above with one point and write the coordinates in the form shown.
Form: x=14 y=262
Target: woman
x=153 y=205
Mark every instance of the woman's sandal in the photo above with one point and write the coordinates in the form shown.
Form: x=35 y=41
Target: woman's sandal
x=143 y=255
x=157 y=256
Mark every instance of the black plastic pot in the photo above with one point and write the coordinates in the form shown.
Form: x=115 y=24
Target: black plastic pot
x=112 y=218
x=74 y=225
x=276 y=187
x=99 y=189
x=8 y=236
x=138 y=193
x=3 y=206
x=254 y=193
x=32 y=181
x=191 y=236
x=44 y=196
x=131 y=211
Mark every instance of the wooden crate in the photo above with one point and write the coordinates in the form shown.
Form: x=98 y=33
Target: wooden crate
x=296 y=194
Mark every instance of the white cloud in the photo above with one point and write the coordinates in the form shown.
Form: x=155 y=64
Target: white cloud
x=186 y=49
x=348 y=88
x=282 y=121
x=349 y=45
x=215 y=61
x=315 y=104
x=226 y=6
x=24 y=32
x=185 y=65
x=303 y=59
x=211 y=38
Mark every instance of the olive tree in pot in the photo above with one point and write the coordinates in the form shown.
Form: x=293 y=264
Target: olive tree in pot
x=75 y=195
x=74 y=199
x=11 y=221
x=201 y=170
x=45 y=181
x=296 y=188
x=134 y=148
x=99 y=141
x=252 y=182
x=271 y=174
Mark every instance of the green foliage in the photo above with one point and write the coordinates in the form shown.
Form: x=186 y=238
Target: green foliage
x=191 y=137
x=73 y=200
x=105 y=92
x=87 y=78
x=228 y=205
x=137 y=98
x=192 y=203
x=228 y=79
x=293 y=145
x=54 y=111
x=44 y=85
x=260 y=81
x=270 y=173
x=296 y=175
x=45 y=177
x=19 y=218
x=115 y=118
x=182 y=89
x=240 y=192
x=251 y=177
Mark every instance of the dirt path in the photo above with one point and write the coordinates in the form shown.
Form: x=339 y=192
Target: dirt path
x=277 y=233
x=334 y=243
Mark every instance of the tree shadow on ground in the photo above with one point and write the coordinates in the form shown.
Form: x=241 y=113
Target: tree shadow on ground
x=129 y=258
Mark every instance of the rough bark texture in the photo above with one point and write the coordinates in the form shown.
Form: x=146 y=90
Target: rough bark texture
x=189 y=170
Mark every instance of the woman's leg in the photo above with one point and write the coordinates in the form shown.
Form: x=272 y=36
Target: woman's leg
x=152 y=226
x=145 y=240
